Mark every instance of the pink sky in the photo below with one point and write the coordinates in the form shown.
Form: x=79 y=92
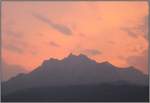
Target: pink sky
x=105 y=31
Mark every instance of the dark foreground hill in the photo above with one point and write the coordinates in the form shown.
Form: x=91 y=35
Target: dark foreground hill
x=82 y=93
x=75 y=78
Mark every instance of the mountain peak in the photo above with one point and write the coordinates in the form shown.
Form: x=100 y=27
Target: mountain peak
x=80 y=56
x=76 y=58
x=106 y=63
x=51 y=60
x=71 y=55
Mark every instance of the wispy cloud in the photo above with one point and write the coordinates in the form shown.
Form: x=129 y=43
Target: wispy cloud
x=141 y=28
x=91 y=52
x=13 y=33
x=54 y=44
x=59 y=27
x=13 y=48
x=130 y=31
x=15 y=37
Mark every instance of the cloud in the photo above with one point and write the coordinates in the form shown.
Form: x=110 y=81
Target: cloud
x=34 y=53
x=91 y=52
x=80 y=49
x=11 y=32
x=130 y=31
x=141 y=28
x=15 y=37
x=54 y=44
x=59 y=27
x=111 y=42
x=13 y=48
x=82 y=35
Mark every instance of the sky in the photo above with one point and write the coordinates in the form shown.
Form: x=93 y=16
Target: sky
x=116 y=32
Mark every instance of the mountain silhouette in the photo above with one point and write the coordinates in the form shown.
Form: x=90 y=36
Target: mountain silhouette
x=10 y=70
x=72 y=71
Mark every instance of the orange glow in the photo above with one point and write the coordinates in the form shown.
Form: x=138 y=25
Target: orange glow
x=42 y=30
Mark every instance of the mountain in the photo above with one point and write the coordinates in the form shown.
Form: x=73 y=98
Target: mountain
x=74 y=70
x=9 y=70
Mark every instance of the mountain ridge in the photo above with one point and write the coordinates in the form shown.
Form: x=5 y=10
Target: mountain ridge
x=71 y=55
x=73 y=70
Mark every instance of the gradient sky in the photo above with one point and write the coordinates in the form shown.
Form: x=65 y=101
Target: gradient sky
x=105 y=31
